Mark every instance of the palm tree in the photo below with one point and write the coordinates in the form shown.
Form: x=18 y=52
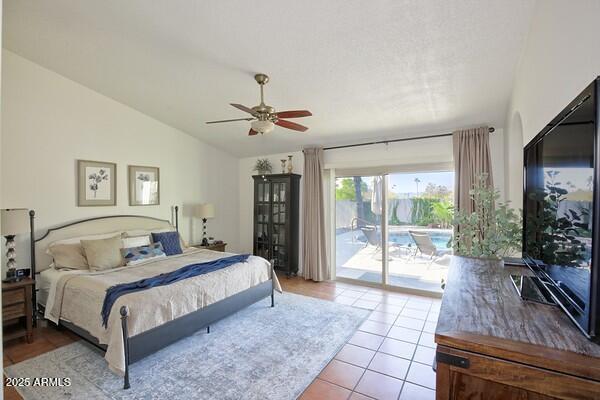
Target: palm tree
x=358 y=196
x=417 y=181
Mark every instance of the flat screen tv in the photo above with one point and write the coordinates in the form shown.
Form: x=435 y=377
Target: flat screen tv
x=561 y=209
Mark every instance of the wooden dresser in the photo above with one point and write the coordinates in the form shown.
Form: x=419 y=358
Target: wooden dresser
x=17 y=310
x=494 y=346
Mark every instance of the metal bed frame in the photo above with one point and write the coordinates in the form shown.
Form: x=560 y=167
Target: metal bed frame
x=146 y=343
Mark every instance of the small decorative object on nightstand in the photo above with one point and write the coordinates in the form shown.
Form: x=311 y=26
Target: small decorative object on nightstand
x=205 y=211
x=216 y=246
x=17 y=310
x=15 y=221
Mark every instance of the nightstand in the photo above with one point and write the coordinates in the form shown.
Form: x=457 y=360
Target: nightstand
x=213 y=246
x=17 y=310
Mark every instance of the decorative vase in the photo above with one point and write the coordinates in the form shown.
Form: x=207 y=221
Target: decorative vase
x=290 y=167
x=283 y=166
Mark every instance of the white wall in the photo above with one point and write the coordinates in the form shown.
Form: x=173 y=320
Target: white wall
x=49 y=122
x=560 y=59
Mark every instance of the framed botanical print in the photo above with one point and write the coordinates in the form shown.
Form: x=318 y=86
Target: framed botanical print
x=97 y=183
x=144 y=186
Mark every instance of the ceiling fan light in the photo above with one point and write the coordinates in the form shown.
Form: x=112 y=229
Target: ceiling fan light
x=263 y=126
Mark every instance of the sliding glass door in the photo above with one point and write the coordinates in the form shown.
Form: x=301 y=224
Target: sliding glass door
x=394 y=229
x=358 y=231
x=419 y=219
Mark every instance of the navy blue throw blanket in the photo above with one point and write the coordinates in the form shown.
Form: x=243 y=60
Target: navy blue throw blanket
x=189 y=271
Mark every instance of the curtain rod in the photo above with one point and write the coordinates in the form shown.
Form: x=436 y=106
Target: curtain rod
x=490 y=129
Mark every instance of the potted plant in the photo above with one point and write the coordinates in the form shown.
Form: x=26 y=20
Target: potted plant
x=492 y=230
x=263 y=166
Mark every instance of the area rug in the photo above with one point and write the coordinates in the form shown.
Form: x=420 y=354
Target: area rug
x=257 y=353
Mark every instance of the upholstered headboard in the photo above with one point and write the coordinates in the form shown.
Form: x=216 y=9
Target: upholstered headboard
x=92 y=226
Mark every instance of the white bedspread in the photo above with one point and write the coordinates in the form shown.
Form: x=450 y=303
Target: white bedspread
x=44 y=282
x=77 y=296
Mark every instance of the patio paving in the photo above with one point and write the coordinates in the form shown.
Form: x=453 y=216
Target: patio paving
x=356 y=261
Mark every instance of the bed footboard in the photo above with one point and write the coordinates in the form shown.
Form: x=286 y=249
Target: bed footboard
x=146 y=343
x=272 y=262
x=124 y=315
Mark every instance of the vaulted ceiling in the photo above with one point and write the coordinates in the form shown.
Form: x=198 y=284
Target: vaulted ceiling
x=378 y=69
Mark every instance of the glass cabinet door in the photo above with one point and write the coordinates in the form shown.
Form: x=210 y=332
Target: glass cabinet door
x=279 y=256
x=263 y=210
x=278 y=230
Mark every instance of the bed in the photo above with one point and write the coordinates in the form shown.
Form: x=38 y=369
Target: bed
x=143 y=322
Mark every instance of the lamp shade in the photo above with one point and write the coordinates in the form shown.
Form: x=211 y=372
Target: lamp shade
x=14 y=221
x=206 y=210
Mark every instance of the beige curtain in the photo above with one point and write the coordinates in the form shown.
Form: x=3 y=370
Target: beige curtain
x=471 y=158
x=314 y=253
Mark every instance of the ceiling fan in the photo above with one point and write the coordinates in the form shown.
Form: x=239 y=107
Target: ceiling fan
x=264 y=117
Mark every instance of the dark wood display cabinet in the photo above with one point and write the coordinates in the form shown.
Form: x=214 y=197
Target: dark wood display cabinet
x=276 y=219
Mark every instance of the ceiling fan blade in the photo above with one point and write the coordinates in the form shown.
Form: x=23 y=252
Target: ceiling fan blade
x=243 y=108
x=291 y=125
x=252 y=132
x=230 y=120
x=293 y=114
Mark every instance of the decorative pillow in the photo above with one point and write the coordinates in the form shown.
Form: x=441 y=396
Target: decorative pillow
x=136 y=255
x=169 y=240
x=103 y=253
x=136 y=241
x=69 y=256
x=142 y=232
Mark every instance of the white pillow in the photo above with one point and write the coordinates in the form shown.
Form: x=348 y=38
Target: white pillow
x=140 y=232
x=135 y=241
x=78 y=239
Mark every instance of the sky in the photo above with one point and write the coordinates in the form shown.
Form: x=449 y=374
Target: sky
x=405 y=183
x=402 y=183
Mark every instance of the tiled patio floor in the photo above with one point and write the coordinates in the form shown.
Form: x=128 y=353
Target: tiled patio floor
x=354 y=260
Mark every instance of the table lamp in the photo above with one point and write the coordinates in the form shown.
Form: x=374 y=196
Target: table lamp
x=205 y=211
x=14 y=222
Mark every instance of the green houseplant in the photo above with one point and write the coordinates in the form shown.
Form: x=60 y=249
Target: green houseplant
x=263 y=166
x=492 y=230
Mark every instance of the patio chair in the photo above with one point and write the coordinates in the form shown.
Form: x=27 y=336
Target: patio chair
x=425 y=245
x=373 y=237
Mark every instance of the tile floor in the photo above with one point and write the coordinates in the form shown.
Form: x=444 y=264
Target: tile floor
x=391 y=354
x=388 y=357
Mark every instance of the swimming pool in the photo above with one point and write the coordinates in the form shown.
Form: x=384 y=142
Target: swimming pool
x=439 y=238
